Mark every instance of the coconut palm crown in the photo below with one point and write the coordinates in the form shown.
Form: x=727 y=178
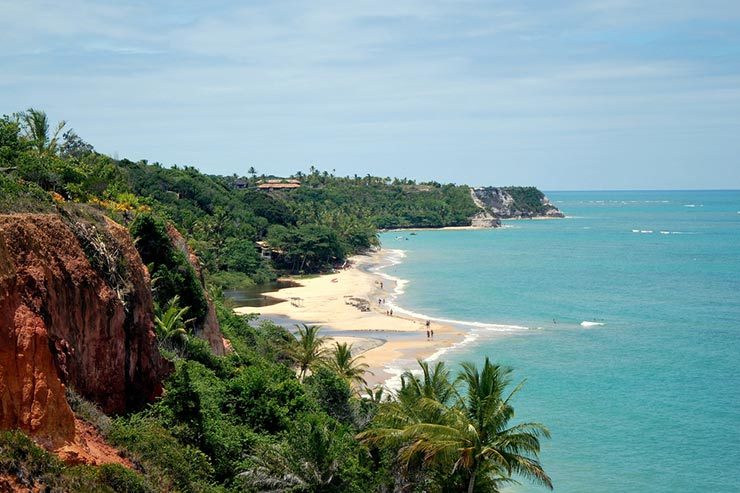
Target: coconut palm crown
x=347 y=366
x=309 y=349
x=472 y=436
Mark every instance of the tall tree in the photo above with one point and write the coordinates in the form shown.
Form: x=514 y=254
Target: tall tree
x=472 y=437
x=309 y=348
x=347 y=366
x=434 y=383
x=36 y=130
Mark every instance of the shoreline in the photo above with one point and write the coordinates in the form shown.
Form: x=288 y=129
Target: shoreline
x=474 y=228
x=388 y=344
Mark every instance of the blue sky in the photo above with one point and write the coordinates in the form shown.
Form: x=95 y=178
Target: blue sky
x=606 y=94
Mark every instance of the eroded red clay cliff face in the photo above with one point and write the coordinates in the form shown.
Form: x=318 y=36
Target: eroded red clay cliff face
x=211 y=330
x=63 y=322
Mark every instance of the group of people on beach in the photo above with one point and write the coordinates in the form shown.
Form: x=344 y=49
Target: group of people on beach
x=430 y=330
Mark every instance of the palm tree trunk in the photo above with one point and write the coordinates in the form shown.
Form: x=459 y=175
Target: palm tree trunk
x=471 y=481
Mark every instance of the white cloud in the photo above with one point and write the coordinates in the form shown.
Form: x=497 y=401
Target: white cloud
x=348 y=81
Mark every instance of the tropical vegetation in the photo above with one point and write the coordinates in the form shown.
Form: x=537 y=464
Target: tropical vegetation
x=284 y=410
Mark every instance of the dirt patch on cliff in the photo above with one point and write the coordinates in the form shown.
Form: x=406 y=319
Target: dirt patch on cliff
x=90 y=448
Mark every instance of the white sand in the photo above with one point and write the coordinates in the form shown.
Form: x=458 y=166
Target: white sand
x=321 y=301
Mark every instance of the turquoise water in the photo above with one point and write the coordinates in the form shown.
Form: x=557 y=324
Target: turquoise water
x=650 y=401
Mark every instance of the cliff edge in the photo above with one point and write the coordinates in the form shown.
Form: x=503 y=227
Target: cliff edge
x=512 y=203
x=75 y=310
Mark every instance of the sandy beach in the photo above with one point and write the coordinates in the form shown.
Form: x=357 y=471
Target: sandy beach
x=389 y=344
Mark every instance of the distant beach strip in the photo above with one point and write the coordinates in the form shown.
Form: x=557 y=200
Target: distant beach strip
x=355 y=306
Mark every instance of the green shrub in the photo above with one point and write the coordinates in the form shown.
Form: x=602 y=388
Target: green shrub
x=21 y=457
x=171 y=272
x=166 y=462
x=21 y=196
x=88 y=411
x=265 y=398
x=332 y=393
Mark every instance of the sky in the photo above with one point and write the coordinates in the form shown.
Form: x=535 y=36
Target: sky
x=604 y=94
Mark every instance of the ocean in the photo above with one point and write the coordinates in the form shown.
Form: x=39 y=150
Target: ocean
x=644 y=397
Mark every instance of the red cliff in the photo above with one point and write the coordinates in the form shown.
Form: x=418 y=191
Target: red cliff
x=75 y=309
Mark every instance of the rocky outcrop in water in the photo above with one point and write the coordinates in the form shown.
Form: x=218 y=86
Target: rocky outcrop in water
x=75 y=310
x=514 y=203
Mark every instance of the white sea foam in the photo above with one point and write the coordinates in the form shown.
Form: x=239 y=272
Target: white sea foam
x=395 y=257
x=393 y=383
x=588 y=323
x=475 y=325
x=471 y=337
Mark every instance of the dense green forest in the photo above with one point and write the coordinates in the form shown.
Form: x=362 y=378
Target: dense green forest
x=282 y=411
x=308 y=229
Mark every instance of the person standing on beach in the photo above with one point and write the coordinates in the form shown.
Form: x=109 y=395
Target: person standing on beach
x=432 y=332
x=427 y=334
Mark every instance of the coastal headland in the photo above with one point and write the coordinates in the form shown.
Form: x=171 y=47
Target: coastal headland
x=352 y=305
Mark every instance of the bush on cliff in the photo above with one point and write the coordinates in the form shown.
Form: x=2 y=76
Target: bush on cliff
x=22 y=196
x=172 y=275
x=34 y=469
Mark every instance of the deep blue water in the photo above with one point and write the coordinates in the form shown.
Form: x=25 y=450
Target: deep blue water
x=650 y=401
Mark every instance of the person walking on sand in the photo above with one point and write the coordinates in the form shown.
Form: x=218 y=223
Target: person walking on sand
x=427 y=334
x=432 y=332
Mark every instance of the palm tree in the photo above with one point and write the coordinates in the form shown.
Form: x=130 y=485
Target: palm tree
x=346 y=366
x=375 y=394
x=309 y=348
x=433 y=384
x=170 y=324
x=472 y=437
x=310 y=460
x=36 y=127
